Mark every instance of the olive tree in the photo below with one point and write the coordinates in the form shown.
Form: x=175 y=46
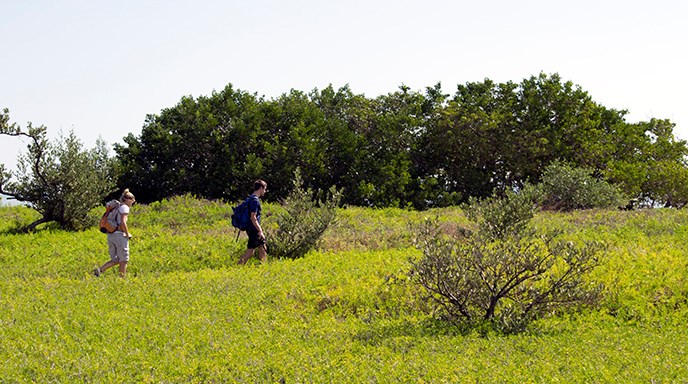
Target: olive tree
x=60 y=180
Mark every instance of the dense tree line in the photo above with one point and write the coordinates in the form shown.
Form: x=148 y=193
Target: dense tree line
x=405 y=148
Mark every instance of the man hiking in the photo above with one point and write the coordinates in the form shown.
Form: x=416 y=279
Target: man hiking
x=256 y=237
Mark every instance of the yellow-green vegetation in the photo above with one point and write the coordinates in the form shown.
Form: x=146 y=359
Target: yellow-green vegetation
x=343 y=313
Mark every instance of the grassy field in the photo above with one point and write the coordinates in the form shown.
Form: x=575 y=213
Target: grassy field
x=344 y=313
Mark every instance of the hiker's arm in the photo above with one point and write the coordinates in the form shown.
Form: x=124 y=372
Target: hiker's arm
x=256 y=224
x=124 y=226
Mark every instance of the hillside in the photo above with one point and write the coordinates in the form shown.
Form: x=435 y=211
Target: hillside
x=344 y=313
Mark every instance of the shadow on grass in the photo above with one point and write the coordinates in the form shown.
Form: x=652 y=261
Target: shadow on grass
x=377 y=334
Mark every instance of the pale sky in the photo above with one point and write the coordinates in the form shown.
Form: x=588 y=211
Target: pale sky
x=99 y=67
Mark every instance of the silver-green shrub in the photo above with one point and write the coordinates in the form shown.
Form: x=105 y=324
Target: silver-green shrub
x=61 y=180
x=566 y=188
x=302 y=222
x=503 y=273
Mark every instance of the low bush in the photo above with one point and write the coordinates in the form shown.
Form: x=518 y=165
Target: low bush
x=304 y=219
x=567 y=188
x=503 y=274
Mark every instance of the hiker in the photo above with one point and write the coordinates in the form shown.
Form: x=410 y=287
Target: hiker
x=118 y=241
x=256 y=237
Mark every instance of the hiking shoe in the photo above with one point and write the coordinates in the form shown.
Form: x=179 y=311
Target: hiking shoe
x=96 y=272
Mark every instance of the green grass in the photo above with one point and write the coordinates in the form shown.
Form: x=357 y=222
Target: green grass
x=187 y=313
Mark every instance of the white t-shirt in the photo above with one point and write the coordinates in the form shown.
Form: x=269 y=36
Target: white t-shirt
x=123 y=210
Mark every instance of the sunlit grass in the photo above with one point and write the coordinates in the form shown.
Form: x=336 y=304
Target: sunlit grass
x=187 y=313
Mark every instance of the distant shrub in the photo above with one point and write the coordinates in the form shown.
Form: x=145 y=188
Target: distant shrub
x=503 y=274
x=499 y=217
x=306 y=216
x=567 y=188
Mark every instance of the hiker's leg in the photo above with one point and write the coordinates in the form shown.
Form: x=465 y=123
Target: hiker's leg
x=253 y=243
x=247 y=255
x=262 y=255
x=112 y=250
x=122 y=253
x=122 y=268
x=108 y=265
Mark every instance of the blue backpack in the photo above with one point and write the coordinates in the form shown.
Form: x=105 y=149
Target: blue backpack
x=241 y=218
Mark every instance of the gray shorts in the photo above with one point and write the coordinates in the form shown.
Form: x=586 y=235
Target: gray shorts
x=118 y=244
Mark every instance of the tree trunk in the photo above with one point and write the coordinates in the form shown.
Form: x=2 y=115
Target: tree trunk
x=32 y=227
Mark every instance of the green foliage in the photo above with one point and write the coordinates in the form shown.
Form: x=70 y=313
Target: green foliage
x=499 y=217
x=504 y=273
x=187 y=313
x=651 y=163
x=566 y=188
x=405 y=148
x=668 y=183
x=305 y=218
x=200 y=146
x=61 y=181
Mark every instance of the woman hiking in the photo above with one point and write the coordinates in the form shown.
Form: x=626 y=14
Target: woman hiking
x=118 y=241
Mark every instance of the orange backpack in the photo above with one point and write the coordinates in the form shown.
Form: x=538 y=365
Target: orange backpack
x=111 y=218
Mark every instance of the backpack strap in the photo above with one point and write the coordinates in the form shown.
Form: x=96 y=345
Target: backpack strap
x=248 y=202
x=118 y=216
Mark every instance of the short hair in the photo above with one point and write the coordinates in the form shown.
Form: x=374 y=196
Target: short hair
x=258 y=184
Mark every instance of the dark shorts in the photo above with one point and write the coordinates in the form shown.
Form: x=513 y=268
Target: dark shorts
x=254 y=241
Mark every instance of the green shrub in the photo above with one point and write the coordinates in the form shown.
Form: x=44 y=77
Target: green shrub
x=498 y=217
x=306 y=216
x=504 y=274
x=567 y=188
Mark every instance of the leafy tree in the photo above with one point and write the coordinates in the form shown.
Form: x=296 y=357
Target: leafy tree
x=346 y=118
x=295 y=138
x=558 y=120
x=431 y=184
x=667 y=183
x=503 y=274
x=384 y=164
x=402 y=149
x=61 y=181
x=209 y=147
x=465 y=144
x=650 y=165
x=498 y=136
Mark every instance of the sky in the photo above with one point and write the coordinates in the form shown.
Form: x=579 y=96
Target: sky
x=97 y=68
